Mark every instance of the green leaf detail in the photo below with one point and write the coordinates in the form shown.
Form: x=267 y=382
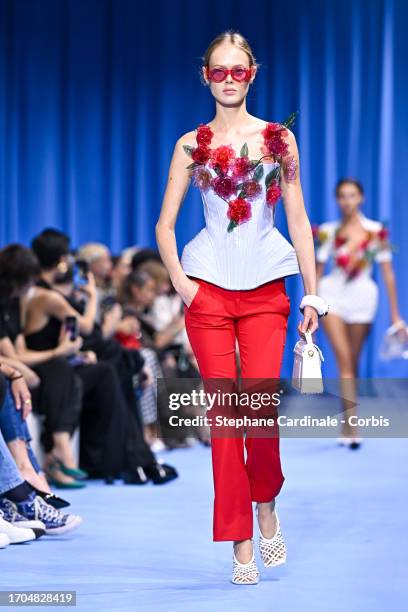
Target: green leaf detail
x=259 y=172
x=289 y=121
x=231 y=226
x=218 y=170
x=188 y=149
x=273 y=175
x=244 y=150
x=192 y=166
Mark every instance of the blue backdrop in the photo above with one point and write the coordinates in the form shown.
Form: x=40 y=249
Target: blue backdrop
x=94 y=94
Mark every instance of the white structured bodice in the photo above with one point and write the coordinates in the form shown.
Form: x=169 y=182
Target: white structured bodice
x=255 y=252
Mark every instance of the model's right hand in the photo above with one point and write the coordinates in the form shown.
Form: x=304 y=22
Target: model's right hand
x=188 y=292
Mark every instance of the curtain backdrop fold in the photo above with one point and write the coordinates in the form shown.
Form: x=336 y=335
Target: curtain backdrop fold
x=95 y=93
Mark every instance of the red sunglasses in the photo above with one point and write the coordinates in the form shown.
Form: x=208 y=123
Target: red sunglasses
x=238 y=73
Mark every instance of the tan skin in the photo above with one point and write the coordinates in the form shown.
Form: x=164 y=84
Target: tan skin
x=347 y=339
x=38 y=306
x=233 y=125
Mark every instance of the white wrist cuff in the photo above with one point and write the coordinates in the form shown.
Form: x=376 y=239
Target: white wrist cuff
x=318 y=303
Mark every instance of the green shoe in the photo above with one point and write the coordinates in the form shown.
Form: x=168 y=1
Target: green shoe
x=74 y=472
x=66 y=485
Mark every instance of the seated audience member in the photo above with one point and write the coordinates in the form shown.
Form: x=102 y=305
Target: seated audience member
x=143 y=255
x=167 y=315
x=58 y=395
x=20 y=504
x=107 y=384
x=121 y=267
x=137 y=295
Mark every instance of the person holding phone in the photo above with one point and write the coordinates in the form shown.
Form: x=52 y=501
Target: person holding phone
x=56 y=392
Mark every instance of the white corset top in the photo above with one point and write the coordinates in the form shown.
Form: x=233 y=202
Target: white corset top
x=239 y=247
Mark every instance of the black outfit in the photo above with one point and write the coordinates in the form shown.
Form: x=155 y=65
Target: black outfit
x=58 y=397
x=111 y=431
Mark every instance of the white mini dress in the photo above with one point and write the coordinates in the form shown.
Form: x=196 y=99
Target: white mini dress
x=349 y=287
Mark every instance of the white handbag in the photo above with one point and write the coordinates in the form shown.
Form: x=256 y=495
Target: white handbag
x=307 y=366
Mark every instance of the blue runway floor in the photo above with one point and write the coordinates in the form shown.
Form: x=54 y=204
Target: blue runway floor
x=343 y=514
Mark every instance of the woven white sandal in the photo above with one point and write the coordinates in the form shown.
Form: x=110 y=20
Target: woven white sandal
x=273 y=550
x=244 y=573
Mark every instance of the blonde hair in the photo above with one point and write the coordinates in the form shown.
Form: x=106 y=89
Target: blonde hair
x=91 y=251
x=235 y=38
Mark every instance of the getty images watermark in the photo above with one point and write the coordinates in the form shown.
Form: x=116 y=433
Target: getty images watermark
x=272 y=407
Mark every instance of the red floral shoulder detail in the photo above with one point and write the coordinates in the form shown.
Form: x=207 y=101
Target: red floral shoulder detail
x=237 y=179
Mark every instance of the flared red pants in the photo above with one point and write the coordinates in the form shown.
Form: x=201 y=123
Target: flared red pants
x=256 y=318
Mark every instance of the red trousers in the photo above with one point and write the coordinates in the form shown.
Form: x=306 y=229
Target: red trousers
x=257 y=320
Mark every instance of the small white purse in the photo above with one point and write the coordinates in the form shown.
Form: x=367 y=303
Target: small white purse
x=307 y=368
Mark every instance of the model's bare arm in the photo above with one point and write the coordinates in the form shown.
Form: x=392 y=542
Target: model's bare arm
x=178 y=182
x=391 y=286
x=300 y=232
x=298 y=222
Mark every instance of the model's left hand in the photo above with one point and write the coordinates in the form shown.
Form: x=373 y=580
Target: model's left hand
x=310 y=321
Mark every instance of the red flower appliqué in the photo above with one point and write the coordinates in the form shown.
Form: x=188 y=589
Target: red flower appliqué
x=222 y=157
x=224 y=186
x=251 y=189
x=273 y=193
x=241 y=167
x=201 y=155
x=241 y=176
x=204 y=135
x=239 y=210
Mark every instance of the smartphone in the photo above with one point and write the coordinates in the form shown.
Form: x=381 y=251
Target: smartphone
x=71 y=326
x=80 y=273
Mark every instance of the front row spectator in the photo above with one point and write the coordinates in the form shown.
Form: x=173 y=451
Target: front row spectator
x=21 y=508
x=57 y=397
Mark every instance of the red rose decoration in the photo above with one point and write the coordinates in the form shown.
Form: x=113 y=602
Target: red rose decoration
x=343 y=260
x=204 y=135
x=272 y=129
x=277 y=146
x=339 y=241
x=365 y=244
x=239 y=210
x=222 y=157
x=201 y=155
x=201 y=178
x=241 y=167
x=383 y=233
x=224 y=186
x=274 y=134
x=273 y=193
x=251 y=189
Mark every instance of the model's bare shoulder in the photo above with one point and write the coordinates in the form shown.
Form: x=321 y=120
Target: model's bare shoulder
x=189 y=139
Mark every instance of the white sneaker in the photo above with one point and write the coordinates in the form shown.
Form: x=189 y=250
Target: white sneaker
x=16 y=535
x=4 y=540
x=11 y=515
